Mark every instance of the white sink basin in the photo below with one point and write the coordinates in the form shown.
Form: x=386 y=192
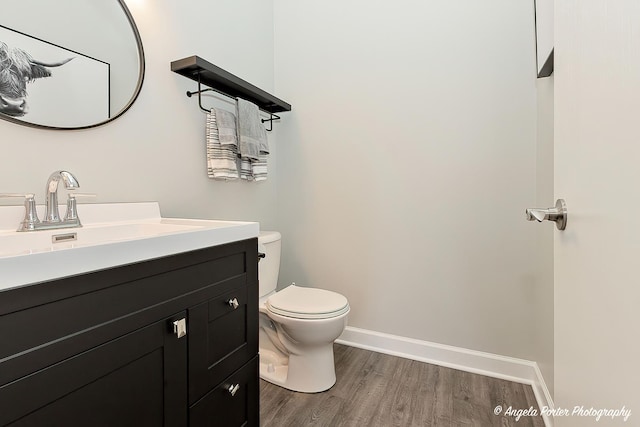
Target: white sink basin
x=16 y=244
x=112 y=235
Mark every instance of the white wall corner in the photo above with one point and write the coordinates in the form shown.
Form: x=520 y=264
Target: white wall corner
x=477 y=362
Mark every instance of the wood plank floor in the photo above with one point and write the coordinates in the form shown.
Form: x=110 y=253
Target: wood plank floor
x=375 y=389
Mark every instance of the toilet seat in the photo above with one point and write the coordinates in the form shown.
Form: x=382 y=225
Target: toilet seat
x=307 y=303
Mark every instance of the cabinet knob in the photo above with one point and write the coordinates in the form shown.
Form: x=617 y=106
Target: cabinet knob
x=233 y=303
x=233 y=389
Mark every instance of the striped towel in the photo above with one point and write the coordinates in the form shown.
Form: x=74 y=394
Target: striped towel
x=254 y=170
x=221 y=145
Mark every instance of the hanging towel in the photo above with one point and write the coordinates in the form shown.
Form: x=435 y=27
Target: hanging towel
x=252 y=136
x=226 y=121
x=221 y=156
x=259 y=168
x=245 y=169
x=253 y=145
x=254 y=170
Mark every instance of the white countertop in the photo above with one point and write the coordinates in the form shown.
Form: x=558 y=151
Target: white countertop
x=113 y=234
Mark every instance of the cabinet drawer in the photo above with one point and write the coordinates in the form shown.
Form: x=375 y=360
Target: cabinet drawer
x=233 y=403
x=223 y=336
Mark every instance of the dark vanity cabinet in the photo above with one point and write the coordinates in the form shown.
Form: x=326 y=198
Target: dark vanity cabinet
x=104 y=348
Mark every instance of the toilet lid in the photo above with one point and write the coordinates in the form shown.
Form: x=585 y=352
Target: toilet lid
x=307 y=303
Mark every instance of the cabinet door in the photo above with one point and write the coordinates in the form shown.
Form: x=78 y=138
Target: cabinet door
x=137 y=380
x=223 y=336
x=234 y=403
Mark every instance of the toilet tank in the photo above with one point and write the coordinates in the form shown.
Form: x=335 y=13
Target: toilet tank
x=269 y=266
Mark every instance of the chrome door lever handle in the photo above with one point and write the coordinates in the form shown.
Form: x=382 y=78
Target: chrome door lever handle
x=557 y=214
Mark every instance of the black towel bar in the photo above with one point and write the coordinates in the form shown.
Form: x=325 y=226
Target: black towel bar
x=271 y=118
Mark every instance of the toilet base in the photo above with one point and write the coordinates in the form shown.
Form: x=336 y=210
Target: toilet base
x=312 y=372
x=271 y=370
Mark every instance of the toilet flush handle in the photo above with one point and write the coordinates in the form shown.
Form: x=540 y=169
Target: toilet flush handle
x=261 y=255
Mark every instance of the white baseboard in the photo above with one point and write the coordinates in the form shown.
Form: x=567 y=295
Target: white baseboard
x=477 y=362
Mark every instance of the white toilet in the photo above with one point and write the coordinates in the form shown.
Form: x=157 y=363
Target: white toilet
x=298 y=326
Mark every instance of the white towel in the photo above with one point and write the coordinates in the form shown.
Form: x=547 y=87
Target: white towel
x=253 y=144
x=221 y=157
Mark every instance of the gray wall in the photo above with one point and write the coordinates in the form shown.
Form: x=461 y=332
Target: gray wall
x=410 y=158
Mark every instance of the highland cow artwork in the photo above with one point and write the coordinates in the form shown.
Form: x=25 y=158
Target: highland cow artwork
x=17 y=68
x=43 y=83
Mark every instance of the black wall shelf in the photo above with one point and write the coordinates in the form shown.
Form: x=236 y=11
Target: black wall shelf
x=221 y=81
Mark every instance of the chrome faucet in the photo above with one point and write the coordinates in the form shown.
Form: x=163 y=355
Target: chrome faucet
x=70 y=182
x=51 y=220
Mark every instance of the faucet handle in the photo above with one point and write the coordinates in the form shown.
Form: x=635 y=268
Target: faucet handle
x=30 y=214
x=8 y=195
x=72 y=207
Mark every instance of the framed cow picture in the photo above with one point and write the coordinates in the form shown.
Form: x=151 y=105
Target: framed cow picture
x=49 y=85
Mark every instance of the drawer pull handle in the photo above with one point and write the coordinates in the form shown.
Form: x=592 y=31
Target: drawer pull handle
x=233 y=389
x=180 y=328
x=233 y=303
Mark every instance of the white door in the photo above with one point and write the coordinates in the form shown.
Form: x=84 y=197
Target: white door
x=597 y=172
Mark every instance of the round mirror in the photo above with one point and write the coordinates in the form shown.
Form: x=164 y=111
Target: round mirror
x=68 y=64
